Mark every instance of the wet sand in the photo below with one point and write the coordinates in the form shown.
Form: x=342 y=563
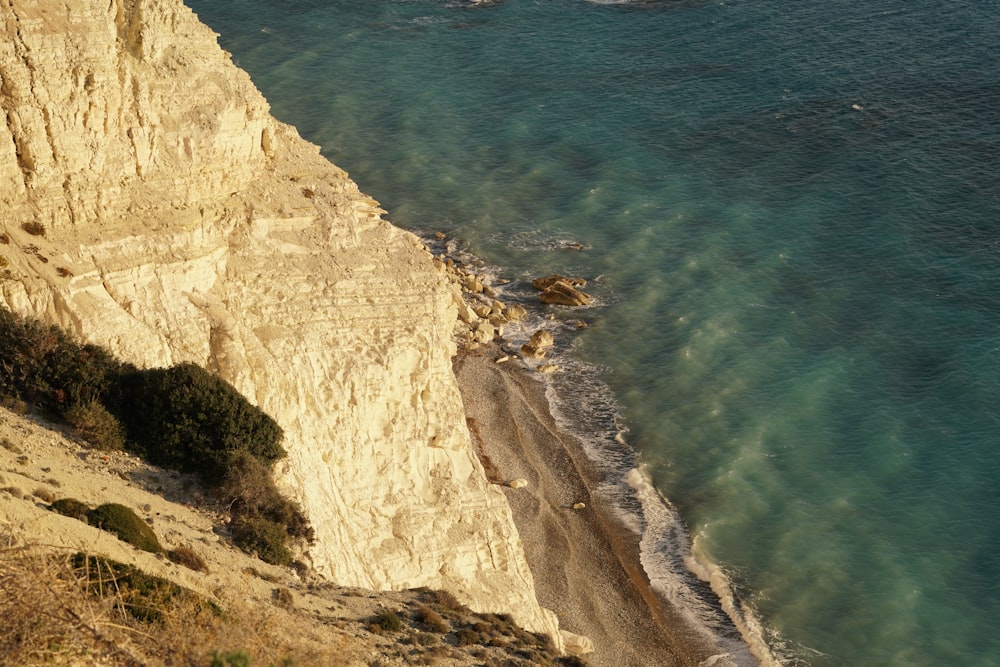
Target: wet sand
x=585 y=564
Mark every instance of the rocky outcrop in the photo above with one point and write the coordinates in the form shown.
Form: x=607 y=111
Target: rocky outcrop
x=183 y=223
x=562 y=291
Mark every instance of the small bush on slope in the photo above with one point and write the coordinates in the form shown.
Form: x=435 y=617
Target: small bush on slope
x=189 y=558
x=72 y=508
x=262 y=537
x=93 y=423
x=249 y=490
x=124 y=523
x=142 y=596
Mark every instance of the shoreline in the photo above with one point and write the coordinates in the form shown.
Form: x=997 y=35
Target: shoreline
x=585 y=564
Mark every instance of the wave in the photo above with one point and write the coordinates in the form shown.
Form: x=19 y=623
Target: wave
x=693 y=586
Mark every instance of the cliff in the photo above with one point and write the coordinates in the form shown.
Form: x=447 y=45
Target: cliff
x=183 y=223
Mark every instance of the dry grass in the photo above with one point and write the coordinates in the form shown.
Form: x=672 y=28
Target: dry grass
x=50 y=618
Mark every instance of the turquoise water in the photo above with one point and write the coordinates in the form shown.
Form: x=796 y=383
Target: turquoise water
x=793 y=214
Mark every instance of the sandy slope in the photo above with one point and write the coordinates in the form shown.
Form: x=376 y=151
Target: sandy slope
x=38 y=463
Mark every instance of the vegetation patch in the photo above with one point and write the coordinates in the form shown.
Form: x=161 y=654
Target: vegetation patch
x=249 y=490
x=44 y=366
x=386 y=620
x=185 y=418
x=43 y=494
x=142 y=596
x=58 y=609
x=264 y=538
x=126 y=524
x=72 y=508
x=182 y=417
x=430 y=619
x=93 y=423
x=189 y=558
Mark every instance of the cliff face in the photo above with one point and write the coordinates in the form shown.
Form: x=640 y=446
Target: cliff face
x=184 y=223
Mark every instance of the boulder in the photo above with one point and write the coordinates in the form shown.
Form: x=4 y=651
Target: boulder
x=538 y=344
x=472 y=283
x=484 y=333
x=564 y=294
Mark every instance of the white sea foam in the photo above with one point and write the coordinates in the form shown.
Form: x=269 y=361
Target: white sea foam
x=585 y=406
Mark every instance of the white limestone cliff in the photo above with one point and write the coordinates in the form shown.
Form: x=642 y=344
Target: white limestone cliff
x=184 y=223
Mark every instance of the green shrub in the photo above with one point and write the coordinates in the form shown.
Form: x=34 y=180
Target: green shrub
x=124 y=523
x=43 y=365
x=263 y=538
x=185 y=418
x=93 y=423
x=387 y=620
x=249 y=490
x=71 y=507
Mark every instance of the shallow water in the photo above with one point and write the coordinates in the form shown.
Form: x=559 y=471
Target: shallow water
x=791 y=213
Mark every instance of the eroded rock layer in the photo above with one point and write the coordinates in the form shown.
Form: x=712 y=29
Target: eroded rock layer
x=183 y=223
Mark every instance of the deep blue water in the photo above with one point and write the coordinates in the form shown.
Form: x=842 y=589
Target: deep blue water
x=793 y=212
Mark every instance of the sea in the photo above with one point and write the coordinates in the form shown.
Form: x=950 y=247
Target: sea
x=788 y=214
